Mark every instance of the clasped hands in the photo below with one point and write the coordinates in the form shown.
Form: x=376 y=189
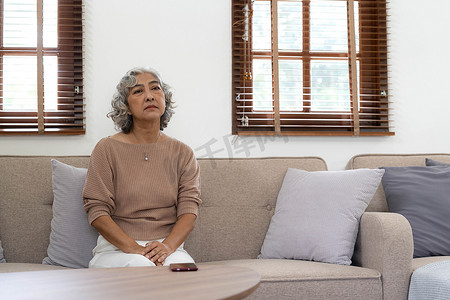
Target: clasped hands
x=155 y=251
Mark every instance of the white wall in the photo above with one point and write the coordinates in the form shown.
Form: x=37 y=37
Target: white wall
x=189 y=43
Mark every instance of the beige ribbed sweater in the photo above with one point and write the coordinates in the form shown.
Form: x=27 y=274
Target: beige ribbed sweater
x=143 y=197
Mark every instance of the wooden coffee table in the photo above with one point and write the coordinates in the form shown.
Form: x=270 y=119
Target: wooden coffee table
x=209 y=282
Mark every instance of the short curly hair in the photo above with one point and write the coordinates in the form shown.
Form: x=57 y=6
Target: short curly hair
x=119 y=104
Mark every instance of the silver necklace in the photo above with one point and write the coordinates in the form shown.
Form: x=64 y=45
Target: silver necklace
x=142 y=147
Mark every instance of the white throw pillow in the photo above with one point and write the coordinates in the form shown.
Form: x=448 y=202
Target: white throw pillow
x=317 y=214
x=72 y=238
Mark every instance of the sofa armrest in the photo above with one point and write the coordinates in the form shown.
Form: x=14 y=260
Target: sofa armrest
x=385 y=243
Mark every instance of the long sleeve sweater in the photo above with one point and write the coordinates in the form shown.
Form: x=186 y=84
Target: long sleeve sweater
x=143 y=197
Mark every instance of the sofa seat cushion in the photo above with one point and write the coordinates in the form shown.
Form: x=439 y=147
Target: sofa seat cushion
x=289 y=270
x=26 y=267
x=298 y=279
x=422 y=261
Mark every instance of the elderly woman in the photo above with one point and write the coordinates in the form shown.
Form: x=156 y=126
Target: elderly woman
x=142 y=188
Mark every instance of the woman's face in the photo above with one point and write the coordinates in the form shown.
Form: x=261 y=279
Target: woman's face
x=146 y=100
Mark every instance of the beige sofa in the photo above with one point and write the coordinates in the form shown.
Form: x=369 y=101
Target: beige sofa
x=239 y=198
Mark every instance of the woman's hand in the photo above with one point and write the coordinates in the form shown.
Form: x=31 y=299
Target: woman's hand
x=136 y=249
x=157 y=252
x=116 y=236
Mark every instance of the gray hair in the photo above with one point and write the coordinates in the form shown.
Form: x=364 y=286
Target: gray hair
x=119 y=103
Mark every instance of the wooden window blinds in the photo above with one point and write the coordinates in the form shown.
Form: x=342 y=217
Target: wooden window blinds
x=41 y=67
x=311 y=67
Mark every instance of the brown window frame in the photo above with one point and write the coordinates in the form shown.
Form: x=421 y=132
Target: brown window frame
x=69 y=117
x=370 y=116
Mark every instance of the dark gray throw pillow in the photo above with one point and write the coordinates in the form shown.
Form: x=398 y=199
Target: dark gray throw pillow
x=431 y=162
x=422 y=196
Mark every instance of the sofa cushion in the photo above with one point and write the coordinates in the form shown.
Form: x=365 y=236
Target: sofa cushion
x=239 y=197
x=72 y=238
x=422 y=195
x=26 y=267
x=288 y=270
x=297 y=279
x=26 y=194
x=317 y=214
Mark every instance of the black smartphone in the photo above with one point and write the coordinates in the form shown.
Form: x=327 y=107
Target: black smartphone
x=183 y=267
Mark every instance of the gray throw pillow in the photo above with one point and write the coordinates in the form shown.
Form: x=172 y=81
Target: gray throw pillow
x=72 y=238
x=422 y=196
x=431 y=162
x=2 y=259
x=317 y=214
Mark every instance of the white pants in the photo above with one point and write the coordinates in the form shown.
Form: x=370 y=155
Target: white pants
x=106 y=255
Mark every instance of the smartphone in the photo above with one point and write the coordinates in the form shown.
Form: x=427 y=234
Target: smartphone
x=183 y=267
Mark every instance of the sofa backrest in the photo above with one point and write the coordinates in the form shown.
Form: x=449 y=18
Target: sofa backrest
x=26 y=199
x=374 y=161
x=239 y=197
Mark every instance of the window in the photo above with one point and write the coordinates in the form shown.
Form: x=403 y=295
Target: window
x=41 y=67
x=311 y=67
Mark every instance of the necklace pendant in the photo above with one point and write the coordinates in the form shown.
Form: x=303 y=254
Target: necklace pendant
x=146 y=157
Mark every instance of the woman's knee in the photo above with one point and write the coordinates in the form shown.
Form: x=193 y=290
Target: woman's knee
x=117 y=260
x=178 y=257
x=137 y=260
